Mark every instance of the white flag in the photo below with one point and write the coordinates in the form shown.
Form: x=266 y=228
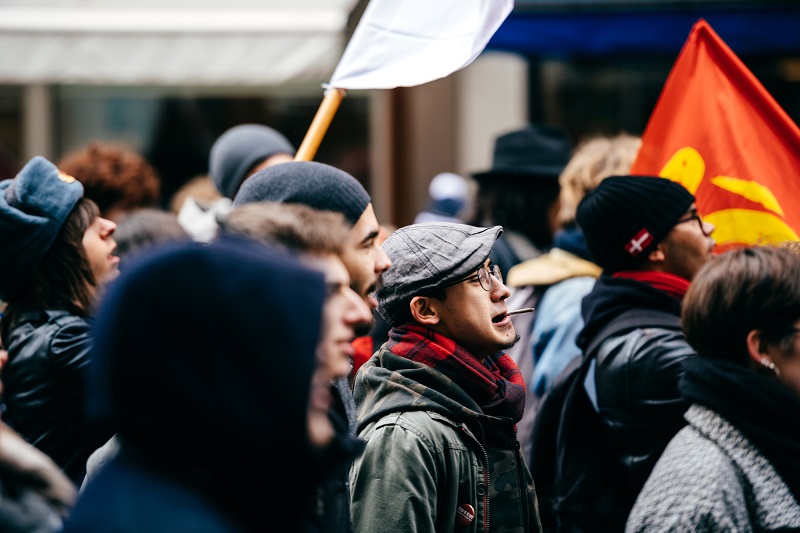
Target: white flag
x=402 y=43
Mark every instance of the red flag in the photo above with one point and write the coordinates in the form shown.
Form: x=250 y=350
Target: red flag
x=719 y=133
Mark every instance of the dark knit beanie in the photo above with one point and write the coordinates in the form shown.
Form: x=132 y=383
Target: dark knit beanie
x=239 y=149
x=313 y=184
x=33 y=207
x=625 y=217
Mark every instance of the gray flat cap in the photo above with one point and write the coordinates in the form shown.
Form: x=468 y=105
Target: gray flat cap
x=428 y=255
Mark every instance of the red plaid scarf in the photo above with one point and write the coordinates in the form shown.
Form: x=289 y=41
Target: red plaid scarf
x=495 y=384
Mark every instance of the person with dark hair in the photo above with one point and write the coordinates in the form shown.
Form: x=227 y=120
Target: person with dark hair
x=520 y=191
x=212 y=421
x=438 y=403
x=736 y=465
x=318 y=237
x=144 y=228
x=555 y=282
x=56 y=252
x=242 y=151
x=116 y=178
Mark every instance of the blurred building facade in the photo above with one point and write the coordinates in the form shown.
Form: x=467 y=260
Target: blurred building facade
x=167 y=77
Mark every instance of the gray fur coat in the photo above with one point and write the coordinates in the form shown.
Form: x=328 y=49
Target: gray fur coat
x=711 y=478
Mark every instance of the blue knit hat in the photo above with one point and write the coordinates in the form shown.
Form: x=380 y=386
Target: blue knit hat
x=313 y=184
x=33 y=207
x=239 y=149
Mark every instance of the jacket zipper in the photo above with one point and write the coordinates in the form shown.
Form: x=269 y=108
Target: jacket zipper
x=485 y=478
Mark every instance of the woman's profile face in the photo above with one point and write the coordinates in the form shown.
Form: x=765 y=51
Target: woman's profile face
x=99 y=246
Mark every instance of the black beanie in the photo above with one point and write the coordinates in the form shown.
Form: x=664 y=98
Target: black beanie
x=239 y=149
x=316 y=185
x=625 y=217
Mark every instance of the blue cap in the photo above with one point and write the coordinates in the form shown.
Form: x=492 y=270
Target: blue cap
x=33 y=207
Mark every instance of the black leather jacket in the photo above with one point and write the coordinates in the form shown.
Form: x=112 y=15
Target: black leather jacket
x=44 y=382
x=637 y=377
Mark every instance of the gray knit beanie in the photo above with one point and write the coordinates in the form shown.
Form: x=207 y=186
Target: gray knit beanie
x=313 y=184
x=239 y=149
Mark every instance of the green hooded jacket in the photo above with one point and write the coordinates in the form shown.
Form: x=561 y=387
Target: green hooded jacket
x=433 y=458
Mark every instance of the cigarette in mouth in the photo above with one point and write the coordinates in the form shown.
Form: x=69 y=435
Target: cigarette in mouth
x=520 y=311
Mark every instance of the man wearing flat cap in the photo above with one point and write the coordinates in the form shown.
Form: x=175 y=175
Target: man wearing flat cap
x=439 y=401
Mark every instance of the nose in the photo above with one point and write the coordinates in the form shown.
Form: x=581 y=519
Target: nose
x=499 y=290
x=708 y=228
x=382 y=262
x=107 y=227
x=357 y=312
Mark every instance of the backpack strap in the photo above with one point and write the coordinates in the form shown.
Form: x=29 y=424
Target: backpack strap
x=630 y=320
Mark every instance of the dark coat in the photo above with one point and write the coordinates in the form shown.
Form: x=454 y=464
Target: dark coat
x=636 y=376
x=45 y=383
x=431 y=451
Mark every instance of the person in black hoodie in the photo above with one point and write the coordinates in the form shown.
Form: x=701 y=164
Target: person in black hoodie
x=203 y=361
x=646 y=234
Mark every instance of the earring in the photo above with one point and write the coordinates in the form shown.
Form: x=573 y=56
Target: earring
x=766 y=363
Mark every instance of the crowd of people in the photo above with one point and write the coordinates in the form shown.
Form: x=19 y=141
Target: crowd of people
x=553 y=345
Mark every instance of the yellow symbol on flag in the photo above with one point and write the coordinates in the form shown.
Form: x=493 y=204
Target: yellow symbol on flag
x=685 y=167
x=735 y=225
x=755 y=192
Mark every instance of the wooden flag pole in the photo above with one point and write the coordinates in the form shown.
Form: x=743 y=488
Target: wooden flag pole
x=319 y=126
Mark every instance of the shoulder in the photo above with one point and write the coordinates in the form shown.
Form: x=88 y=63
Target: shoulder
x=649 y=345
x=694 y=485
x=434 y=430
x=126 y=498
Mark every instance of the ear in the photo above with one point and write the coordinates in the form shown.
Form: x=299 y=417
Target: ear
x=657 y=255
x=423 y=311
x=756 y=347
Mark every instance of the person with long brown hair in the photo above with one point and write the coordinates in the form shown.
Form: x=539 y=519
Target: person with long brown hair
x=56 y=252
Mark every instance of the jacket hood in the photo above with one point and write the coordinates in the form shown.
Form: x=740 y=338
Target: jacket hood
x=204 y=355
x=388 y=383
x=610 y=297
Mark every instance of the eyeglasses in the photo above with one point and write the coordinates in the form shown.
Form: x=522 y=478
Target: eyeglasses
x=694 y=216
x=484 y=276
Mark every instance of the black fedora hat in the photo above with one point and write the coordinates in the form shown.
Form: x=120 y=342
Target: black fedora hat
x=536 y=151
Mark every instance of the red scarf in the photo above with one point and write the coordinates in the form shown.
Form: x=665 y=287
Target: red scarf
x=495 y=384
x=673 y=285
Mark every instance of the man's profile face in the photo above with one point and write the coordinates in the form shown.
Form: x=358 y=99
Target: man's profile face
x=688 y=246
x=341 y=312
x=475 y=318
x=364 y=259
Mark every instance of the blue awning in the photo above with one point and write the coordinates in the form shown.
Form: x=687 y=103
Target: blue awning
x=582 y=33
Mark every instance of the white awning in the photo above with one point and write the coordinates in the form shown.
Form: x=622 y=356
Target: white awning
x=171 y=42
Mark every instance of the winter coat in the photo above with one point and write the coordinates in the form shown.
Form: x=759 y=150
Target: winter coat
x=434 y=461
x=636 y=377
x=712 y=478
x=45 y=383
